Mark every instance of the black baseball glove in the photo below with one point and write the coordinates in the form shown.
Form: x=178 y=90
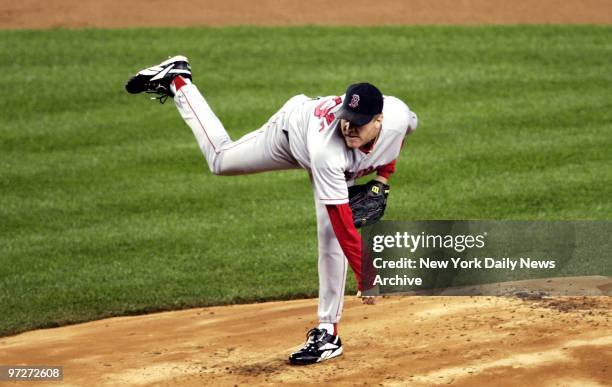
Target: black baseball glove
x=368 y=202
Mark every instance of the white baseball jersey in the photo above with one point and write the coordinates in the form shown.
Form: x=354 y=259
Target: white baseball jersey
x=317 y=143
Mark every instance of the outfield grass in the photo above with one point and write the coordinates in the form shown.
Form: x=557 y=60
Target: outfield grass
x=107 y=207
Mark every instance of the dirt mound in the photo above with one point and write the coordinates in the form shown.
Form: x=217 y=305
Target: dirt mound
x=415 y=340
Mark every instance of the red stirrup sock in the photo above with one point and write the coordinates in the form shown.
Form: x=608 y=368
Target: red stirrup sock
x=178 y=82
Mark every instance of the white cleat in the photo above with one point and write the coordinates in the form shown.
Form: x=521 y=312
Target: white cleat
x=157 y=79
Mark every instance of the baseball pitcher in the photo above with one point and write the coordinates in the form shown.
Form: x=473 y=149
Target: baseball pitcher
x=337 y=139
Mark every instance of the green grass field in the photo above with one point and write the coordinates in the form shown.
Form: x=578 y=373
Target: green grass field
x=107 y=206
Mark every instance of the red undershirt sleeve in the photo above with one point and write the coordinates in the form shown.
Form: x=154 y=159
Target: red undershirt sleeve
x=341 y=219
x=386 y=170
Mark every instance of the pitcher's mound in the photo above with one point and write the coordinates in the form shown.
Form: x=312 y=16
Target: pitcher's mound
x=402 y=340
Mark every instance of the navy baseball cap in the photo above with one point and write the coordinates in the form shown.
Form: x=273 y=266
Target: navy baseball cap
x=362 y=102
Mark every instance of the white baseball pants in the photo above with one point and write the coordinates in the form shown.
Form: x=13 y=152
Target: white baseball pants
x=266 y=149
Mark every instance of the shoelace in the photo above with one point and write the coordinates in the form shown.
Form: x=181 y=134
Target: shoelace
x=162 y=96
x=313 y=335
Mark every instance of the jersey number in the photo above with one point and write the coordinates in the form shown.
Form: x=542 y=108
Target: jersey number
x=322 y=111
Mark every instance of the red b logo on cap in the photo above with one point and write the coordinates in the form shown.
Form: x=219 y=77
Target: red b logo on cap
x=354 y=101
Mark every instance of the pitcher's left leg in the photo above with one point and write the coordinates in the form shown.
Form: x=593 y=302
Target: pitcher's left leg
x=323 y=342
x=332 y=269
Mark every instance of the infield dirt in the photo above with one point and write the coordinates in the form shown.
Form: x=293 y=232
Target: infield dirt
x=403 y=340
x=183 y=13
x=460 y=341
